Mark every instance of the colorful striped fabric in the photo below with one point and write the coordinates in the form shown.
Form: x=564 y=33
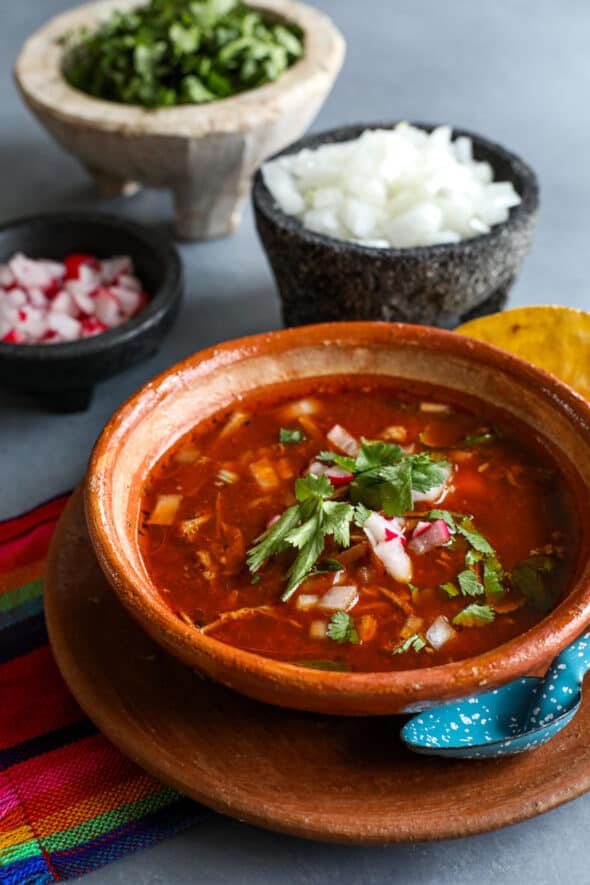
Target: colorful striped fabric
x=69 y=801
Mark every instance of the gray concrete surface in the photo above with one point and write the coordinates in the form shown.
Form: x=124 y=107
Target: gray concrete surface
x=514 y=70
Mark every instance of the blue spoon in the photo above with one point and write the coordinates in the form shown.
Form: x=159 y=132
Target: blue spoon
x=519 y=716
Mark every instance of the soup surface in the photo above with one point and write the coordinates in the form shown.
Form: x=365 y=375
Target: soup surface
x=359 y=525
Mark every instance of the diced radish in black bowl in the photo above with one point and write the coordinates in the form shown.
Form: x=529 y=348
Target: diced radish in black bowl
x=82 y=297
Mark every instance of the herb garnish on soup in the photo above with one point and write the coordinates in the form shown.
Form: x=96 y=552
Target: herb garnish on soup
x=361 y=525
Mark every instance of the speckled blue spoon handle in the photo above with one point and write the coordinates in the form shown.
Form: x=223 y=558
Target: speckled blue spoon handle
x=561 y=684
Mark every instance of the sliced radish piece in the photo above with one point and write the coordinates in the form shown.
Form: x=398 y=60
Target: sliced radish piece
x=377 y=528
x=13 y=337
x=439 y=632
x=129 y=299
x=342 y=440
x=64 y=303
x=75 y=262
x=338 y=476
x=91 y=326
x=65 y=326
x=113 y=268
x=435 y=535
x=387 y=540
x=107 y=307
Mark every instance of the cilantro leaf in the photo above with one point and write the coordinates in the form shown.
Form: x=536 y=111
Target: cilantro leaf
x=474 y=615
x=361 y=515
x=312 y=486
x=342 y=628
x=415 y=642
x=303 y=563
x=386 y=488
x=492 y=576
x=304 y=527
x=475 y=538
x=472 y=557
x=327 y=565
x=337 y=518
x=290 y=436
x=343 y=461
x=530 y=578
x=377 y=454
x=446 y=515
x=273 y=539
x=478 y=439
x=469 y=584
x=426 y=472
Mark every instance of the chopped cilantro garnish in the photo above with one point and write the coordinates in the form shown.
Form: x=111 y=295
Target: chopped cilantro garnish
x=478 y=439
x=475 y=538
x=415 y=642
x=291 y=436
x=473 y=556
x=377 y=454
x=450 y=589
x=492 y=576
x=342 y=628
x=361 y=515
x=530 y=578
x=255 y=579
x=475 y=615
x=341 y=460
x=327 y=565
x=448 y=517
x=172 y=52
x=384 y=478
x=304 y=526
x=469 y=584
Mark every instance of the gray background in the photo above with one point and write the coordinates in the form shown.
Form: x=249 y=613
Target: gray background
x=517 y=71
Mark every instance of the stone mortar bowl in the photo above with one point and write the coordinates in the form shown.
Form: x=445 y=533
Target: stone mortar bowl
x=143 y=429
x=205 y=154
x=321 y=279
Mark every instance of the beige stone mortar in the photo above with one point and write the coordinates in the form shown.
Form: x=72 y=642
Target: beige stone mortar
x=205 y=154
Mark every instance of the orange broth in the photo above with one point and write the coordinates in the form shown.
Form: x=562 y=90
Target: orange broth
x=234 y=476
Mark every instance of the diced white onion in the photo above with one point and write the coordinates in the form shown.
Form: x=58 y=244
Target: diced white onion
x=398 y=187
x=306 y=601
x=164 y=513
x=340 y=597
x=439 y=632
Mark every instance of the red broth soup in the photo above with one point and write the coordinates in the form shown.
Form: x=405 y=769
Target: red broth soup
x=359 y=525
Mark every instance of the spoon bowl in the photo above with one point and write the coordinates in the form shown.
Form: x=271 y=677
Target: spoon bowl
x=512 y=719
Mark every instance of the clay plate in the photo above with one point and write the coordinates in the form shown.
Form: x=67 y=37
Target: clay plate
x=321 y=777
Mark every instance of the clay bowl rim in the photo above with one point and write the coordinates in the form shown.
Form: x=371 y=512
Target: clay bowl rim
x=265 y=203
x=38 y=74
x=516 y=658
x=160 y=302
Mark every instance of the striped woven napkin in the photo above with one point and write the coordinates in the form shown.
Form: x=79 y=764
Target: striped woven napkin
x=69 y=801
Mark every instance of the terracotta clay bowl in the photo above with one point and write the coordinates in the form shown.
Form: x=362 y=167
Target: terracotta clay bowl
x=204 y=154
x=321 y=279
x=166 y=408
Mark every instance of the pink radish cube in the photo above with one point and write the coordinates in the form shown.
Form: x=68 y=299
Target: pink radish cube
x=107 y=307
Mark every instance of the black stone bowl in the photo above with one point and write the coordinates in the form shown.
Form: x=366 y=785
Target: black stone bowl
x=322 y=279
x=62 y=376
